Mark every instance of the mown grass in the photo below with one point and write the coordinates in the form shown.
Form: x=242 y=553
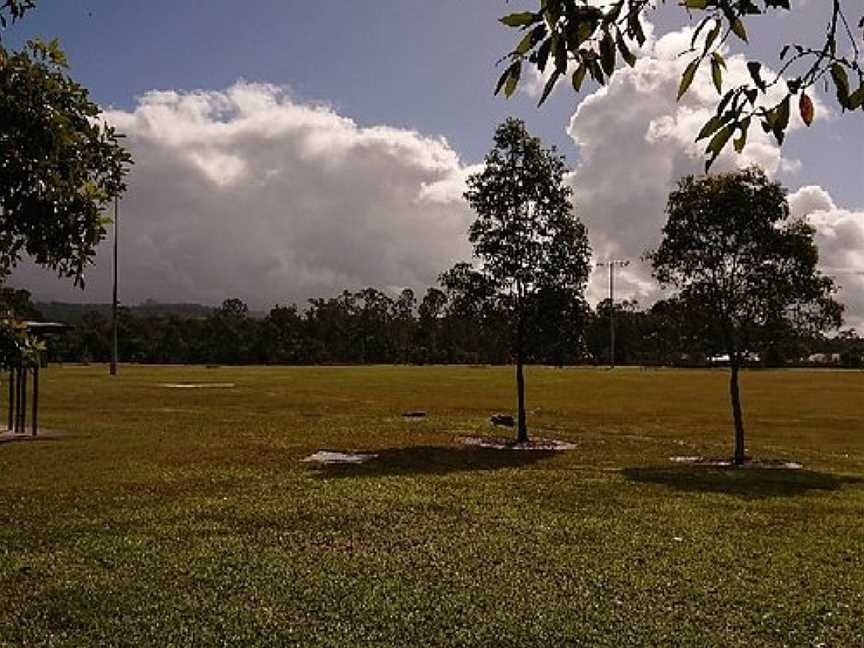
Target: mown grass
x=178 y=517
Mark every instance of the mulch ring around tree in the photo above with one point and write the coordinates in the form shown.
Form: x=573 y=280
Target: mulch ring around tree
x=339 y=457
x=726 y=462
x=533 y=443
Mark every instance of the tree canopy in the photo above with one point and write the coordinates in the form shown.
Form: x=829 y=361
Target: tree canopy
x=579 y=39
x=740 y=265
x=60 y=166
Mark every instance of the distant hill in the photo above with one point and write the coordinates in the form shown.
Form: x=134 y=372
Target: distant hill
x=72 y=313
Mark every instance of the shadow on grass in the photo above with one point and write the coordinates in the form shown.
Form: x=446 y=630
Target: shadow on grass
x=434 y=460
x=748 y=483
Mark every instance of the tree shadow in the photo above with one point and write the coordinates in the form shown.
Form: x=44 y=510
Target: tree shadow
x=433 y=460
x=746 y=483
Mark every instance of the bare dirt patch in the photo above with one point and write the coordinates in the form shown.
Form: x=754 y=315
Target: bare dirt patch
x=726 y=462
x=501 y=443
x=339 y=457
x=198 y=385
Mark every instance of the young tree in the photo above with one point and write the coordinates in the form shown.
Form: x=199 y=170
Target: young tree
x=739 y=262
x=525 y=234
x=585 y=38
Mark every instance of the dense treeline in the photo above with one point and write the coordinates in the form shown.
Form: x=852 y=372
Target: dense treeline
x=448 y=325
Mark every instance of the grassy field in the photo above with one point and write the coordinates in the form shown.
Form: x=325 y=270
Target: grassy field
x=181 y=516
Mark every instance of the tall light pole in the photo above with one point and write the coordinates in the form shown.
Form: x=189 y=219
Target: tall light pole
x=114 y=299
x=611 y=264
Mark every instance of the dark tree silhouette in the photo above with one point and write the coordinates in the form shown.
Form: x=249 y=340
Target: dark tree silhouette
x=525 y=236
x=740 y=264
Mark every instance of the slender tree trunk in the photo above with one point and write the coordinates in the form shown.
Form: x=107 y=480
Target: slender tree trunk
x=735 y=396
x=522 y=430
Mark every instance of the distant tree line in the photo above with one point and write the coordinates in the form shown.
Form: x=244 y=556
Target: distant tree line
x=448 y=325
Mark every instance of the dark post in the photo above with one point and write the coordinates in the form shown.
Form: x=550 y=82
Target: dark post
x=738 y=419
x=11 y=398
x=35 y=398
x=114 y=300
x=17 y=398
x=23 y=426
x=522 y=428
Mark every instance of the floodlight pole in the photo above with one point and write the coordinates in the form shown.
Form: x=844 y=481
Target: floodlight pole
x=611 y=263
x=114 y=299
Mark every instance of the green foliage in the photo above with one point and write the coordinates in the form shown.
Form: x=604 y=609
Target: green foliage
x=60 y=167
x=13 y=10
x=525 y=234
x=584 y=38
x=731 y=251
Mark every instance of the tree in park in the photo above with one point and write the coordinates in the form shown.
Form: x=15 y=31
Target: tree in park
x=740 y=265
x=59 y=166
x=579 y=38
x=525 y=236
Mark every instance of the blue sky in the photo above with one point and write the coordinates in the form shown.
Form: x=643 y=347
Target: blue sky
x=415 y=64
x=405 y=65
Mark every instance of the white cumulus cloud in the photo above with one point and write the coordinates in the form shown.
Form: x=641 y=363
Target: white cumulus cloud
x=250 y=193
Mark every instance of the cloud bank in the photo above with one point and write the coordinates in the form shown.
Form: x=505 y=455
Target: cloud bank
x=250 y=193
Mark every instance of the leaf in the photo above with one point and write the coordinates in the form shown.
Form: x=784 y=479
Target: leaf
x=537 y=34
x=543 y=54
x=740 y=142
x=711 y=126
x=716 y=145
x=547 y=89
x=520 y=19
x=738 y=29
x=596 y=71
x=502 y=80
x=579 y=77
x=712 y=36
x=717 y=75
x=778 y=119
x=625 y=52
x=607 y=54
x=782 y=114
x=687 y=78
x=514 y=72
x=696 y=4
x=719 y=140
x=755 y=69
x=841 y=82
x=805 y=107
x=559 y=51
x=856 y=99
x=526 y=43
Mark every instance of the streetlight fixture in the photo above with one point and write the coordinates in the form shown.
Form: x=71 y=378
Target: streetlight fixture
x=612 y=264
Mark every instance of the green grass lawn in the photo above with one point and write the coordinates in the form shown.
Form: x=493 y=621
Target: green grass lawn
x=181 y=517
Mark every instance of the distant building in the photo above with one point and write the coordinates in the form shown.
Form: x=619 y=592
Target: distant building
x=824 y=358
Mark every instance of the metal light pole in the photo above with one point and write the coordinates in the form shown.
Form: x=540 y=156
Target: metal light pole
x=611 y=264
x=114 y=300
